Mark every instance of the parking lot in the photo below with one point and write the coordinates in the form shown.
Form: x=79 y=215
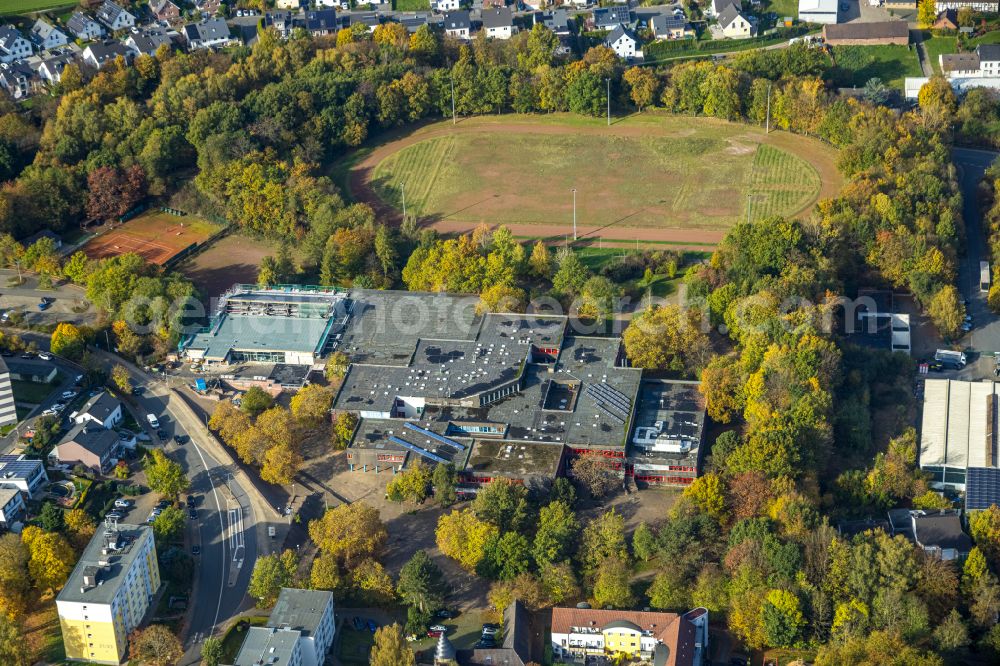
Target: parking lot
x=67 y=302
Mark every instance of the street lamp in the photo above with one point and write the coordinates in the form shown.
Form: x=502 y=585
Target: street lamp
x=574 y=213
x=609 y=101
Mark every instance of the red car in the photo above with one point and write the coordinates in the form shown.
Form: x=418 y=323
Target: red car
x=434 y=633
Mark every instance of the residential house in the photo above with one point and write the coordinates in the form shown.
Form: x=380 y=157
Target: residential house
x=457 y=24
x=12 y=507
x=206 y=34
x=716 y=7
x=443 y=6
x=322 y=22
x=498 y=23
x=46 y=36
x=946 y=20
x=146 y=41
x=84 y=27
x=368 y=19
x=989 y=59
x=940 y=534
x=991 y=6
x=867 y=34
x=103 y=409
x=17 y=79
x=291 y=4
x=818 y=11
x=26 y=474
x=282 y=23
x=328 y=3
x=209 y=7
x=606 y=18
x=556 y=20
x=412 y=22
x=51 y=66
x=12 y=45
x=959 y=64
x=664 y=638
x=735 y=24
x=670 y=26
x=164 y=10
x=89 y=445
x=300 y=631
x=114 y=17
x=624 y=42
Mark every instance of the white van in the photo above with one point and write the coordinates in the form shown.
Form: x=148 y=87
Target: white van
x=954 y=359
x=152 y=421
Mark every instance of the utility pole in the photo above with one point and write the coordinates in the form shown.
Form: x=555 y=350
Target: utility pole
x=767 y=129
x=609 y=101
x=574 y=213
x=453 y=120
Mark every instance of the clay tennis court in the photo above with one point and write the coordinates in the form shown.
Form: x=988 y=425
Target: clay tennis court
x=155 y=236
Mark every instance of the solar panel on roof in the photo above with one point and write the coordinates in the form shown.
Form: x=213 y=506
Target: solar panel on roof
x=982 y=487
x=434 y=436
x=416 y=449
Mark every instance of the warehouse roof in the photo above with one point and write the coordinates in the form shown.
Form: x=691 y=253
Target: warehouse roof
x=956 y=430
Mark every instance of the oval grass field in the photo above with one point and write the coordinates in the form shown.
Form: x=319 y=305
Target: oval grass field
x=647 y=172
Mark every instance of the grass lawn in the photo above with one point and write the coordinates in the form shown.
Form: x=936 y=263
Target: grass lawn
x=857 y=64
x=31 y=392
x=989 y=38
x=675 y=173
x=354 y=646
x=937 y=46
x=233 y=639
x=411 y=5
x=783 y=8
x=26 y=6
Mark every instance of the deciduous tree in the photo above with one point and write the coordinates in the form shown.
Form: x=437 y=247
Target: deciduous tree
x=412 y=484
x=155 y=645
x=421 y=583
x=351 y=532
x=50 y=558
x=463 y=537
x=164 y=475
x=667 y=339
x=68 y=340
x=270 y=574
x=390 y=647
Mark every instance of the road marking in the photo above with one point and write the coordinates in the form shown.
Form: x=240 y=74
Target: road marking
x=222 y=527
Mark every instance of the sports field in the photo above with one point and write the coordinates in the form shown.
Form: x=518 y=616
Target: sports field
x=154 y=235
x=27 y=6
x=652 y=174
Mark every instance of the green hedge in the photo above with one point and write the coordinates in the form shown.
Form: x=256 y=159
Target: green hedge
x=667 y=48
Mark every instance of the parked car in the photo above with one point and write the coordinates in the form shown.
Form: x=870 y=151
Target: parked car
x=45 y=356
x=446 y=613
x=43 y=305
x=138 y=390
x=358 y=623
x=196 y=549
x=114 y=514
x=180 y=439
x=371 y=624
x=439 y=627
x=162 y=434
x=162 y=504
x=191 y=501
x=27 y=356
x=153 y=421
x=68 y=395
x=49 y=412
x=486 y=643
x=490 y=629
x=434 y=633
x=6 y=352
x=193 y=514
x=123 y=503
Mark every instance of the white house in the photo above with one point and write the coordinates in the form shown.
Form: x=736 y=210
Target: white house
x=17 y=79
x=98 y=54
x=84 y=27
x=114 y=17
x=12 y=507
x=147 y=41
x=50 y=67
x=624 y=43
x=291 y=4
x=46 y=36
x=103 y=409
x=457 y=24
x=975 y=5
x=206 y=34
x=716 y=7
x=735 y=24
x=446 y=5
x=499 y=23
x=22 y=473
x=12 y=45
x=818 y=11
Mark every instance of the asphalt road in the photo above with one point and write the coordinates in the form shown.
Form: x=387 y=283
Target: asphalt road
x=225 y=528
x=984 y=339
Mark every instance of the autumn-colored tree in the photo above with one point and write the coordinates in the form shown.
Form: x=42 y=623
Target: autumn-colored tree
x=373 y=583
x=80 y=526
x=708 y=494
x=643 y=85
x=667 y=338
x=270 y=574
x=947 y=311
x=413 y=484
x=926 y=13
x=113 y=192
x=281 y=464
x=68 y=340
x=611 y=585
x=351 y=532
x=127 y=341
x=343 y=429
x=390 y=648
x=155 y=645
x=463 y=537
x=164 y=475
x=121 y=378
x=229 y=422
x=311 y=405
x=336 y=366
x=50 y=558
x=722 y=386
x=595 y=475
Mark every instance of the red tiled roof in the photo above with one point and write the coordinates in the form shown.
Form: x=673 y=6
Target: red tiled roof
x=671 y=629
